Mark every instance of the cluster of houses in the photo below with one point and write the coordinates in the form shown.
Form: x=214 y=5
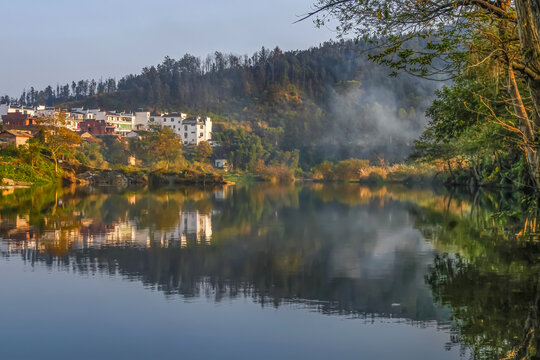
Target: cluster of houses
x=19 y=122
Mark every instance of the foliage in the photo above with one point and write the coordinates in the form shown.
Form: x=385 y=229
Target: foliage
x=472 y=144
x=277 y=173
x=59 y=140
x=203 y=151
x=488 y=40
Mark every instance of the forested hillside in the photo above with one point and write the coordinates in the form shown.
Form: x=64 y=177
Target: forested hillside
x=327 y=102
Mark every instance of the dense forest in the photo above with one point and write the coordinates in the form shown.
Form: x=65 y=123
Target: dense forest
x=325 y=103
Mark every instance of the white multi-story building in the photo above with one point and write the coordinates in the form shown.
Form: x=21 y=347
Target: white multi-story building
x=141 y=120
x=98 y=114
x=196 y=129
x=173 y=120
x=44 y=111
x=122 y=122
x=88 y=115
x=155 y=119
x=9 y=109
x=192 y=130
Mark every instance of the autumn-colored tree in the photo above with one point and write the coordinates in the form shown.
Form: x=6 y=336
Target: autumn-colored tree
x=165 y=145
x=58 y=139
x=203 y=151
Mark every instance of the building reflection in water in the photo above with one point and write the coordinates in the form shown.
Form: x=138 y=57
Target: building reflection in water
x=192 y=228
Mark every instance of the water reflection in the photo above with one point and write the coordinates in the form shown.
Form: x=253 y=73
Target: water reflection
x=425 y=257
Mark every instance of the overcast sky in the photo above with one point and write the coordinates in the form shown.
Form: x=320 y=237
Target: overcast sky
x=56 y=41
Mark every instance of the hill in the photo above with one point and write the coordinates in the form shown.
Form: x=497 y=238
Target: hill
x=324 y=103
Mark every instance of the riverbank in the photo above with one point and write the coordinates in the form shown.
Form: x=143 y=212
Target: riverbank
x=125 y=177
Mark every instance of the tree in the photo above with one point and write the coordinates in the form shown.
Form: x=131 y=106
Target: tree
x=456 y=35
x=32 y=153
x=203 y=151
x=59 y=140
x=165 y=145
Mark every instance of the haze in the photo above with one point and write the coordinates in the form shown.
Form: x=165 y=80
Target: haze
x=57 y=41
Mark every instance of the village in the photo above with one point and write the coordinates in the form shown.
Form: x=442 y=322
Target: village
x=21 y=122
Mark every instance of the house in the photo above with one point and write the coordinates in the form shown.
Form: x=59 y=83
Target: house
x=122 y=122
x=141 y=120
x=96 y=127
x=73 y=120
x=191 y=130
x=18 y=120
x=86 y=136
x=173 y=120
x=195 y=129
x=14 y=137
x=45 y=111
x=155 y=119
x=16 y=109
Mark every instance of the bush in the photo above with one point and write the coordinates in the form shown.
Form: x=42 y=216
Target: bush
x=274 y=173
x=323 y=172
x=350 y=169
x=11 y=151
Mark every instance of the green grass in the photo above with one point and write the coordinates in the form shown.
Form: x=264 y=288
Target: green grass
x=239 y=177
x=15 y=169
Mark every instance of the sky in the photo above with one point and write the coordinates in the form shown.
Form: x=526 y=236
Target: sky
x=56 y=41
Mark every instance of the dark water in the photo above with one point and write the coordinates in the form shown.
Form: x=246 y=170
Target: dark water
x=265 y=272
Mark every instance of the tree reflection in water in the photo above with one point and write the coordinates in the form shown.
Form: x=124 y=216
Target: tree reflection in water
x=417 y=255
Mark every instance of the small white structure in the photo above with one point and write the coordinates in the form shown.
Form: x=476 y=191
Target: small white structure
x=221 y=163
x=132 y=135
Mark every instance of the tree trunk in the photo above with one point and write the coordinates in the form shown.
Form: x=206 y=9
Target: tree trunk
x=526 y=126
x=451 y=172
x=528 y=18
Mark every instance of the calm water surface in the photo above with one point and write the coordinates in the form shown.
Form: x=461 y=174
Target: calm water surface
x=264 y=272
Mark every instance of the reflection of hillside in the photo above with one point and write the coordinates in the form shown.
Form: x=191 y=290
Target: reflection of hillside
x=274 y=244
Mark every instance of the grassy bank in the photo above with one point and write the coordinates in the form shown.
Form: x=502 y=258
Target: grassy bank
x=19 y=171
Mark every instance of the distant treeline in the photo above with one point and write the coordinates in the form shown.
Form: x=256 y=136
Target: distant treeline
x=328 y=102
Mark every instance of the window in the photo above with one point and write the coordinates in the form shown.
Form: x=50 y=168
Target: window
x=185 y=135
x=201 y=135
x=174 y=126
x=185 y=127
x=202 y=127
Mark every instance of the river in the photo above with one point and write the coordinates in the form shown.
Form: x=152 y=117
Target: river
x=307 y=271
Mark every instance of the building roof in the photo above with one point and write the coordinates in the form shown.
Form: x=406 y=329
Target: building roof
x=86 y=134
x=193 y=120
x=18 y=133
